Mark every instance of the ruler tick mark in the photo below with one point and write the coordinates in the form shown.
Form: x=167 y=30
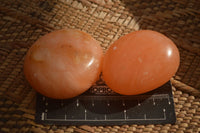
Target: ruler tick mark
x=154 y=102
x=92 y=103
x=85 y=114
x=169 y=101
x=42 y=116
x=77 y=102
x=164 y=110
x=123 y=103
x=108 y=103
x=125 y=114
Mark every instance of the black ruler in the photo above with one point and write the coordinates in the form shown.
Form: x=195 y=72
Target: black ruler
x=101 y=106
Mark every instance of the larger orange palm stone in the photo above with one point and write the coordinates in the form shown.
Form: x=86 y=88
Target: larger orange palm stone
x=140 y=62
x=63 y=64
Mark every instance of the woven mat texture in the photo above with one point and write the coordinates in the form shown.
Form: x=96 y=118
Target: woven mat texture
x=22 y=22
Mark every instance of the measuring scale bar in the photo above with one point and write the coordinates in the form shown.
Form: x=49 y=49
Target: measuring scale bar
x=101 y=106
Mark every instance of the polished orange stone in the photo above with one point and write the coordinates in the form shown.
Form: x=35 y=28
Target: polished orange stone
x=63 y=63
x=140 y=62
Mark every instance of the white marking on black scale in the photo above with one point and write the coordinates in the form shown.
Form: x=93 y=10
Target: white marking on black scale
x=155 y=107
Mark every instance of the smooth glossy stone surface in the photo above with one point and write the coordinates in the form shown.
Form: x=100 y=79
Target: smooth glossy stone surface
x=140 y=62
x=63 y=64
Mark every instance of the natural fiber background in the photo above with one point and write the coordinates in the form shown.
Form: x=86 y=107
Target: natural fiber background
x=22 y=22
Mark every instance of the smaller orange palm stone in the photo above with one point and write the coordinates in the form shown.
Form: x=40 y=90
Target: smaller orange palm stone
x=140 y=62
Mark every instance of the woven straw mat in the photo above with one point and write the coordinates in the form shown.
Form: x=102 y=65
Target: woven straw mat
x=22 y=22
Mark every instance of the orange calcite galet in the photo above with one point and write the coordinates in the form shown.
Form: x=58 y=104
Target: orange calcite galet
x=63 y=63
x=140 y=62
